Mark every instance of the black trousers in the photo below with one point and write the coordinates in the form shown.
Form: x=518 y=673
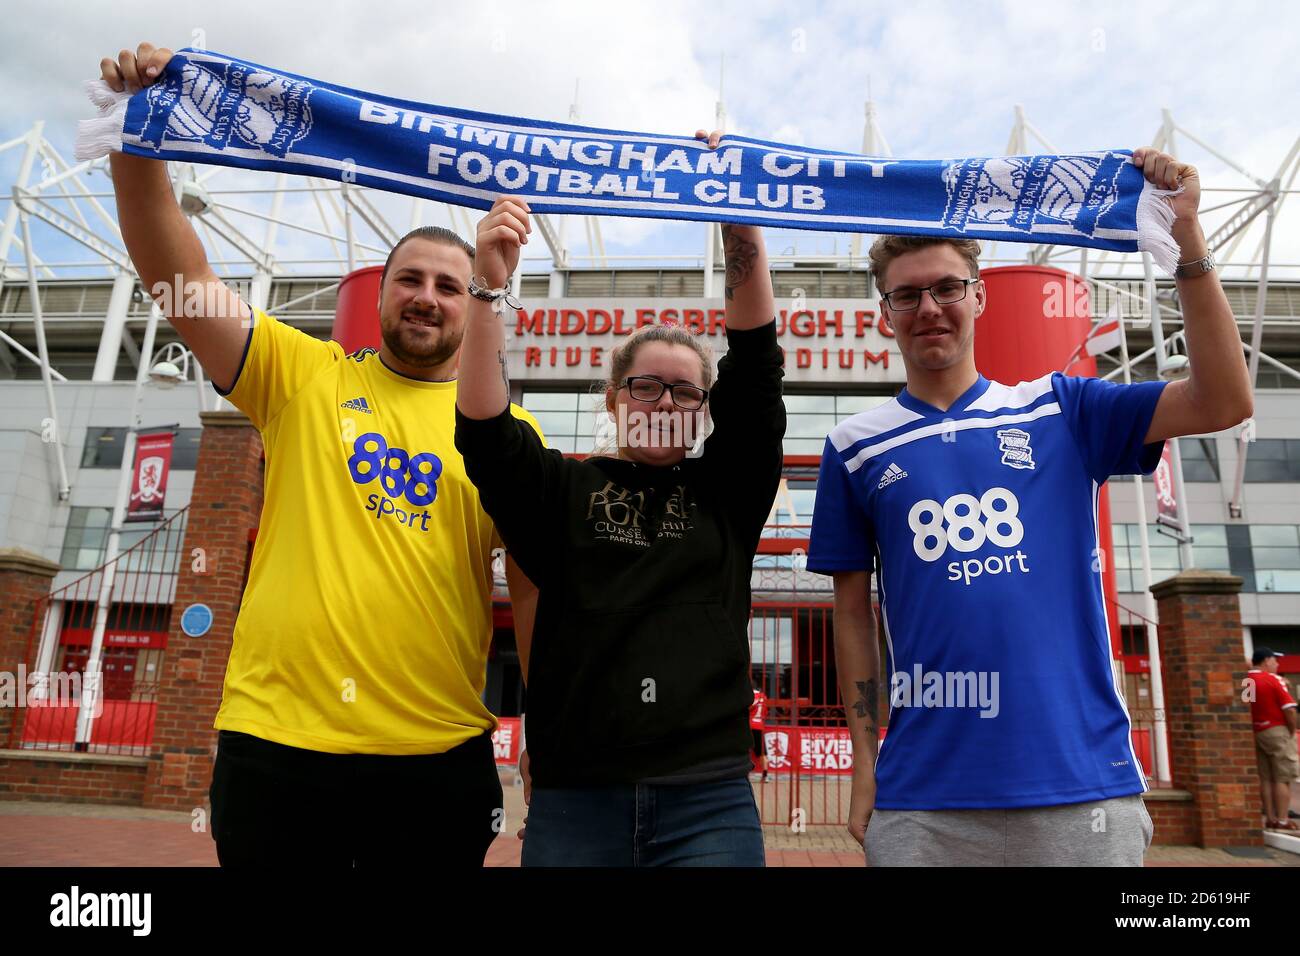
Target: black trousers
x=281 y=806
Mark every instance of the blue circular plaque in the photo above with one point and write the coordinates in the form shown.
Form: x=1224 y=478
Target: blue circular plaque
x=196 y=620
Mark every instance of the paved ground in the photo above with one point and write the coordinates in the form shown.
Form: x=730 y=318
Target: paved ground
x=62 y=834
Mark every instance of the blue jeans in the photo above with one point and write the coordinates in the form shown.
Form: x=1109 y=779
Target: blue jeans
x=706 y=824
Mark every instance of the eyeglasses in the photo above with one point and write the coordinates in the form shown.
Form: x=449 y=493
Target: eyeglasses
x=944 y=293
x=646 y=389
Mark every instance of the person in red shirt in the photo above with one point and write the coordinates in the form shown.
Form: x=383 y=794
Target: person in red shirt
x=1273 y=711
x=757 y=717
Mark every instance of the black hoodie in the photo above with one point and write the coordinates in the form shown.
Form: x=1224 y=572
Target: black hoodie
x=639 y=666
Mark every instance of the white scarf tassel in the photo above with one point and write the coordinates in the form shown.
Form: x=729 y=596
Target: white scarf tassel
x=1155 y=222
x=102 y=135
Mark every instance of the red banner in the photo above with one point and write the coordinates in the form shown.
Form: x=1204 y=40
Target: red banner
x=809 y=749
x=80 y=637
x=1166 y=499
x=122 y=723
x=153 y=460
x=507 y=740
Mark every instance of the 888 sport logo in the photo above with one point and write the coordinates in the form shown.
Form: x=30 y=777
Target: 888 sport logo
x=963 y=523
x=405 y=478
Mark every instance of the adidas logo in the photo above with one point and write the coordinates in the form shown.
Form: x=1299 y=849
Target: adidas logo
x=358 y=405
x=892 y=474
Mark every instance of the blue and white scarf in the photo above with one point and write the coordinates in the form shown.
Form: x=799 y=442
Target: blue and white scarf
x=210 y=108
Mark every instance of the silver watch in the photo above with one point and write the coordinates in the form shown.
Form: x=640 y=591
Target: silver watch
x=1197 y=267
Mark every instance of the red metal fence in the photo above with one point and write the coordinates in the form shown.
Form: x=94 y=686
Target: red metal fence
x=54 y=667
x=809 y=752
x=1136 y=675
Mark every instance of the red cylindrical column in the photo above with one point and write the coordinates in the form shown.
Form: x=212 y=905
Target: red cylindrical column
x=356 y=316
x=1034 y=320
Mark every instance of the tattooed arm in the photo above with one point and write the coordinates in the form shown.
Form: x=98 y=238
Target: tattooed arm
x=748 y=283
x=857 y=661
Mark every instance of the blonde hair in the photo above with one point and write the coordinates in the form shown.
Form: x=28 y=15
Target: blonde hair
x=622 y=356
x=620 y=359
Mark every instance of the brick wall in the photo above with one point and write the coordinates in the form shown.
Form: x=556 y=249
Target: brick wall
x=24 y=579
x=1173 y=817
x=72 y=778
x=1211 y=740
x=225 y=505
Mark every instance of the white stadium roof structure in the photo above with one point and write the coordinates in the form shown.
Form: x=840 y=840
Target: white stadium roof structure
x=289 y=240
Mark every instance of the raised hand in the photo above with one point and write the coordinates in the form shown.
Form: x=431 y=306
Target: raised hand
x=1165 y=172
x=132 y=72
x=712 y=138
x=501 y=233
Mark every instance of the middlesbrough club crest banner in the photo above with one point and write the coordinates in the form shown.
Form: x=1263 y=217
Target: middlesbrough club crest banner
x=153 y=461
x=211 y=108
x=1166 y=496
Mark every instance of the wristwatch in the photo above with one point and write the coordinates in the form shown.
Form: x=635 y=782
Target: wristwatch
x=1197 y=267
x=495 y=296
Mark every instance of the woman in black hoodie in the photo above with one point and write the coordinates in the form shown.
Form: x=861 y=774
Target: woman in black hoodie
x=638 y=672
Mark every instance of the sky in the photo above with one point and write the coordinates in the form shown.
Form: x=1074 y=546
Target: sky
x=945 y=78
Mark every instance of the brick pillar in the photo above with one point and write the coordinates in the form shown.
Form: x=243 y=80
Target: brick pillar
x=225 y=506
x=1211 y=738
x=24 y=579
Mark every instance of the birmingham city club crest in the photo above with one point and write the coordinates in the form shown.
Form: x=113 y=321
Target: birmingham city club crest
x=227 y=105
x=1014 y=445
x=1027 y=192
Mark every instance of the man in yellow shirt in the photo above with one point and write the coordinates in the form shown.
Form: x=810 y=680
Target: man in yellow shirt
x=352 y=726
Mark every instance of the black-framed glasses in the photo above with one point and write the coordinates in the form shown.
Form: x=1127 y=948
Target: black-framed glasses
x=646 y=389
x=944 y=293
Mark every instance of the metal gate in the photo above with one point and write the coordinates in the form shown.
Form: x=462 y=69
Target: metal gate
x=124 y=687
x=810 y=755
x=809 y=752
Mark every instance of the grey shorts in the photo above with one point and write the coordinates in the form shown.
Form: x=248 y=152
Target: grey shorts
x=1113 y=832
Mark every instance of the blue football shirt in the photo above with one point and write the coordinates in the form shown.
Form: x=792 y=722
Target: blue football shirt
x=981 y=525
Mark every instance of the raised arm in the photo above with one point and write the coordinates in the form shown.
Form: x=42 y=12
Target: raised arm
x=483 y=388
x=750 y=304
x=1217 y=392
x=857 y=662
x=163 y=246
x=515 y=474
x=744 y=451
x=748 y=291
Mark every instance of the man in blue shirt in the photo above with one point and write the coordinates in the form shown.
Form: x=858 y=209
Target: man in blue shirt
x=975 y=503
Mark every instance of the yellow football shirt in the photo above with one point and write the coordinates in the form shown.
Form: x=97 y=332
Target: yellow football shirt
x=367 y=617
